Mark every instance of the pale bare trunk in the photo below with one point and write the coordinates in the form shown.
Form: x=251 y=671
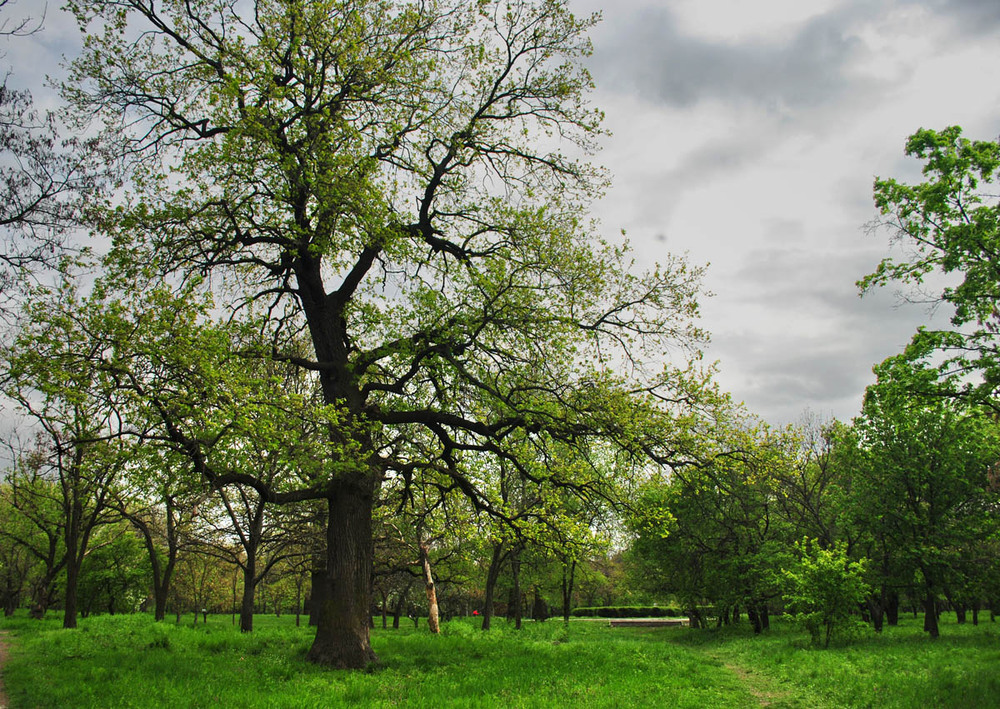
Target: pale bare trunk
x=432 y=603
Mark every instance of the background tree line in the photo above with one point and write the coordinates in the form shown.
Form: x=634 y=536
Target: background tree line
x=898 y=508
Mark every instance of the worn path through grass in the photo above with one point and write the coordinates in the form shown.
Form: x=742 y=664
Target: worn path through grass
x=762 y=689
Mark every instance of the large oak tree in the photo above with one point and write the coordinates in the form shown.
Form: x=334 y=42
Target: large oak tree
x=386 y=177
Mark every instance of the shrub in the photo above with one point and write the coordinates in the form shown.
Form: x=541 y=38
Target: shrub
x=824 y=590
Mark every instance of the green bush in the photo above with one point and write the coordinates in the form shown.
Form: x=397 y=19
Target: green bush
x=824 y=590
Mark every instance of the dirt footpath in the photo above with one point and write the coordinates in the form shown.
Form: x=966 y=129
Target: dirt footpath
x=3 y=660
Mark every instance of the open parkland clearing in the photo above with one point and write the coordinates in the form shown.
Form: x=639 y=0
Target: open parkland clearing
x=130 y=661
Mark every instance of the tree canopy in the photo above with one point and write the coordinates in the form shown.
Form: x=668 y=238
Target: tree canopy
x=949 y=227
x=390 y=198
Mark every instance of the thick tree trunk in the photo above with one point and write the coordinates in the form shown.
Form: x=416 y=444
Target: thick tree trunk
x=317 y=584
x=496 y=562
x=317 y=580
x=539 y=608
x=876 y=612
x=695 y=618
x=930 y=615
x=342 y=636
x=70 y=597
x=246 y=605
x=754 y=617
x=159 y=603
x=892 y=609
x=74 y=560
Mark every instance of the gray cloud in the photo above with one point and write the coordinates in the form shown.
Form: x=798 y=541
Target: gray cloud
x=807 y=101
x=646 y=50
x=966 y=16
x=820 y=338
x=701 y=166
x=810 y=69
x=824 y=374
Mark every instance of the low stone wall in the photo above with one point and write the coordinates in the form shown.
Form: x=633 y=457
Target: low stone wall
x=646 y=622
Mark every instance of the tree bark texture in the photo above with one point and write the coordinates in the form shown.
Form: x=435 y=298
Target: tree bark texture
x=342 y=635
x=567 y=588
x=496 y=562
x=930 y=615
x=515 y=572
x=892 y=609
x=246 y=605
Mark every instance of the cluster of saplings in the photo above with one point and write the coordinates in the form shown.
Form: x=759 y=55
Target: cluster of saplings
x=197 y=553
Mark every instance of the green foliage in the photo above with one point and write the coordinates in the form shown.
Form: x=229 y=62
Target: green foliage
x=20 y=543
x=824 y=590
x=949 y=226
x=714 y=532
x=921 y=494
x=114 y=576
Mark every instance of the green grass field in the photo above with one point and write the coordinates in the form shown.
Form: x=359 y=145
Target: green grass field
x=128 y=661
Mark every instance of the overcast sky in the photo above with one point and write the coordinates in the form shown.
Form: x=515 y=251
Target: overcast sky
x=747 y=134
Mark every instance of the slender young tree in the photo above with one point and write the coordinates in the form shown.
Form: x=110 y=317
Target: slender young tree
x=161 y=503
x=68 y=477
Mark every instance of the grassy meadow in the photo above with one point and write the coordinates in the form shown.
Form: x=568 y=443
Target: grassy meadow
x=129 y=661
